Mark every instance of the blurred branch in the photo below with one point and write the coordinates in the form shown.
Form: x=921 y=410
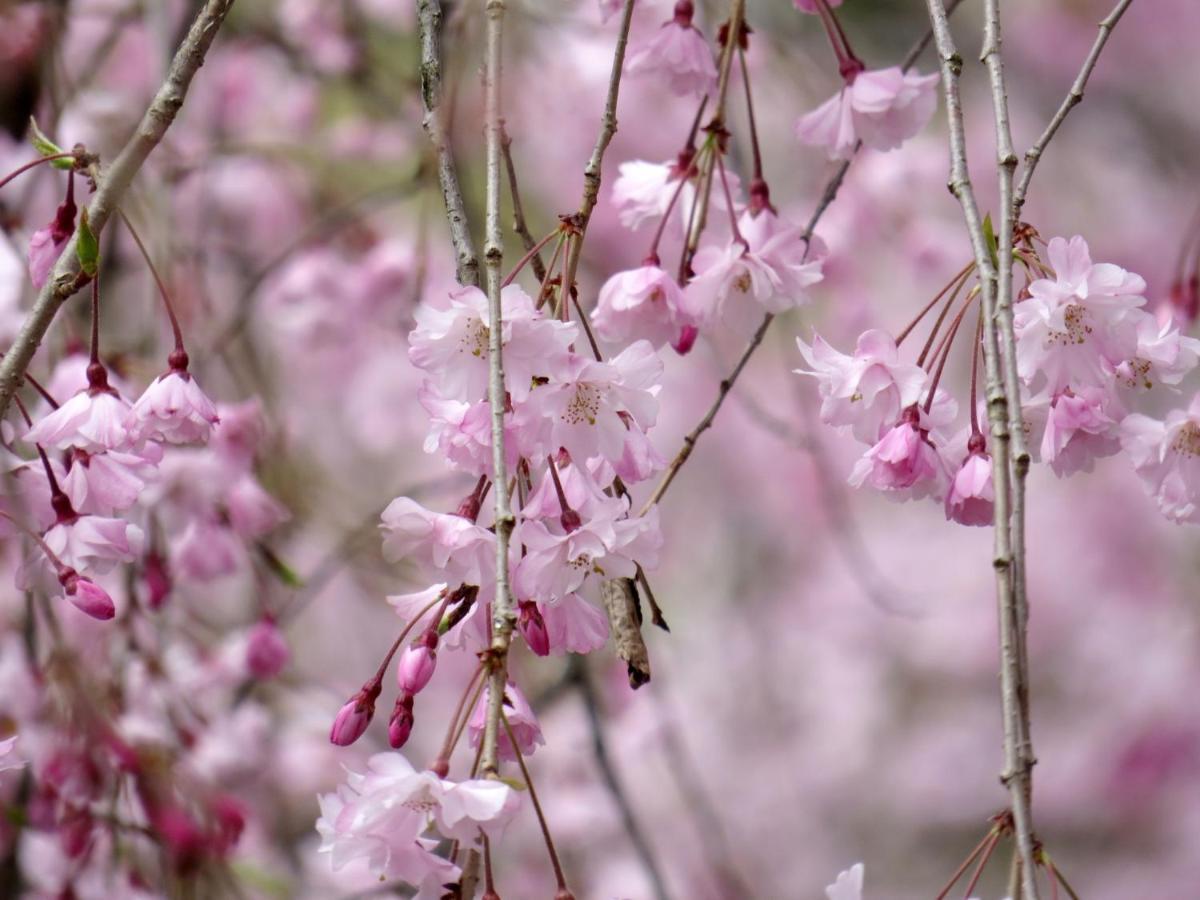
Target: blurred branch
x=578 y=676
x=827 y=197
x=429 y=21
x=848 y=539
x=1008 y=566
x=1034 y=154
x=111 y=187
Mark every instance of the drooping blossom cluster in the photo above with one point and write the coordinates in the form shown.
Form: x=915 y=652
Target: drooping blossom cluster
x=1087 y=349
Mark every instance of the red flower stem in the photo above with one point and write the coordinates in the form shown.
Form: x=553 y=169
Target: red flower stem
x=162 y=288
x=452 y=732
x=440 y=598
x=530 y=254
x=977 y=349
x=684 y=178
x=944 y=349
x=33 y=164
x=932 y=303
x=958 y=873
x=758 y=167
x=987 y=854
x=737 y=234
x=537 y=806
x=95 y=357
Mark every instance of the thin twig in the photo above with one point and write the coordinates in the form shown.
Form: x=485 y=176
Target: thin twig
x=592 y=171
x=504 y=617
x=519 y=225
x=429 y=21
x=1034 y=154
x=111 y=188
x=1011 y=670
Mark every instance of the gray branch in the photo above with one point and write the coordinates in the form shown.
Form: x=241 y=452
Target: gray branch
x=111 y=188
x=429 y=21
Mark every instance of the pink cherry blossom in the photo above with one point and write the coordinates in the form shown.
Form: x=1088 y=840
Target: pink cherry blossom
x=438 y=543
x=1075 y=329
x=592 y=406
x=45 y=247
x=1164 y=356
x=643 y=191
x=94 y=544
x=1080 y=428
x=904 y=463
x=971 y=496
x=1166 y=454
x=380 y=816
x=573 y=625
x=205 y=550
x=773 y=268
x=640 y=303
x=107 y=482
x=92 y=420
x=173 y=409
x=452 y=344
x=864 y=392
x=252 y=511
x=520 y=717
x=882 y=108
x=355 y=715
x=678 y=55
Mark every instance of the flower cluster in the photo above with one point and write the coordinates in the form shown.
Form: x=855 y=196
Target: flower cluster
x=1086 y=348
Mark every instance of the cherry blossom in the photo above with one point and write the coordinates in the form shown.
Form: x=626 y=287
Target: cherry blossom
x=1166 y=454
x=971 y=496
x=641 y=303
x=677 y=54
x=95 y=419
x=452 y=344
x=521 y=720
x=849 y=884
x=437 y=542
x=173 y=409
x=882 y=108
x=864 y=392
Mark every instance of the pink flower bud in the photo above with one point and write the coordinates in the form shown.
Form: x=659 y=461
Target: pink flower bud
x=266 y=650
x=401 y=723
x=181 y=836
x=533 y=628
x=353 y=718
x=157 y=580
x=87 y=596
x=229 y=819
x=687 y=337
x=417 y=663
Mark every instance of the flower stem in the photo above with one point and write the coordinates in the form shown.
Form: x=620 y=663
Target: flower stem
x=537 y=806
x=33 y=164
x=162 y=288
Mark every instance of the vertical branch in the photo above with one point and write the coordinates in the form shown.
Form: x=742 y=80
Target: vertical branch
x=1018 y=745
x=1011 y=658
x=429 y=20
x=111 y=188
x=503 y=616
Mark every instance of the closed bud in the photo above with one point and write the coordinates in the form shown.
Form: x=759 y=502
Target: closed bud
x=353 y=718
x=533 y=628
x=401 y=723
x=266 y=650
x=417 y=663
x=87 y=596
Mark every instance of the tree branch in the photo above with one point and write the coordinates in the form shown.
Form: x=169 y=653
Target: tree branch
x=503 y=616
x=429 y=22
x=1008 y=572
x=1034 y=154
x=111 y=188
x=592 y=171
x=519 y=225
